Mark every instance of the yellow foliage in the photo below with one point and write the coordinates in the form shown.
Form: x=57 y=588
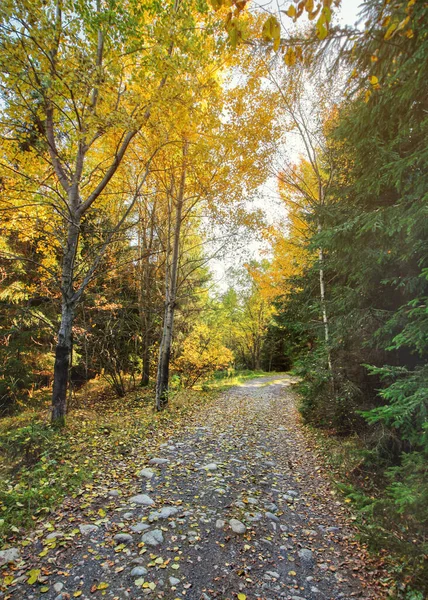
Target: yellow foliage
x=202 y=354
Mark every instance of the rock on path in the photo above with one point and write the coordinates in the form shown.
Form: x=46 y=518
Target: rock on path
x=266 y=524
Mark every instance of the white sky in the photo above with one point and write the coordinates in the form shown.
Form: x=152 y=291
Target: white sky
x=269 y=200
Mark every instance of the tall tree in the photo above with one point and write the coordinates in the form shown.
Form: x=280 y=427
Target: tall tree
x=78 y=88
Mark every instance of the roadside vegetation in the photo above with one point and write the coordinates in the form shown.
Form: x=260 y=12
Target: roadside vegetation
x=121 y=179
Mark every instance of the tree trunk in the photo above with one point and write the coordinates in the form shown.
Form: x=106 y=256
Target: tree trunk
x=323 y=306
x=145 y=375
x=64 y=344
x=164 y=358
x=170 y=301
x=62 y=365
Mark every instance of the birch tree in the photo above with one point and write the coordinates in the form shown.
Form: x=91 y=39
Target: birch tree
x=80 y=83
x=307 y=183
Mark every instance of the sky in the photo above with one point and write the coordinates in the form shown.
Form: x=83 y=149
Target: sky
x=269 y=201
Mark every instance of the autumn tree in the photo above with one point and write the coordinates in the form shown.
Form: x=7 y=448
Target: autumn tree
x=80 y=84
x=305 y=183
x=202 y=354
x=210 y=178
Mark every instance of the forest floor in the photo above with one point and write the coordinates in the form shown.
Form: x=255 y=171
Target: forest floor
x=233 y=505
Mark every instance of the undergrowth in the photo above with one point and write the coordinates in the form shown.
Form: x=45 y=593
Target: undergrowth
x=40 y=465
x=397 y=537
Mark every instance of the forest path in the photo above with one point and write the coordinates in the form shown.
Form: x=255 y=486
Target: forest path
x=234 y=506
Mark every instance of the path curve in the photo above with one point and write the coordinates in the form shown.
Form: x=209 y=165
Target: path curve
x=237 y=507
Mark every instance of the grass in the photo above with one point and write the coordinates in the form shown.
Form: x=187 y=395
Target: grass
x=40 y=465
x=225 y=379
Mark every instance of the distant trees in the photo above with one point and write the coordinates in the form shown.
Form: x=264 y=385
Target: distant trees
x=245 y=315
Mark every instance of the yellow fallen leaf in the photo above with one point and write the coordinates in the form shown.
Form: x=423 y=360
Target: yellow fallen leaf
x=242 y=597
x=33 y=576
x=102 y=586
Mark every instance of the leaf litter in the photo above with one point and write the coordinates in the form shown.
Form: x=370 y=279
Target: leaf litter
x=261 y=464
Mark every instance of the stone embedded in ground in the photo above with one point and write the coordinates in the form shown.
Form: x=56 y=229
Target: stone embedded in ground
x=88 y=529
x=210 y=467
x=220 y=524
x=113 y=493
x=58 y=587
x=174 y=581
x=139 y=527
x=147 y=473
x=310 y=532
x=142 y=499
x=153 y=538
x=292 y=493
x=54 y=535
x=158 y=461
x=253 y=518
x=237 y=526
x=271 y=506
x=252 y=501
x=289 y=499
x=271 y=516
x=123 y=538
x=273 y=574
x=164 y=513
x=240 y=504
x=306 y=555
x=138 y=572
x=11 y=555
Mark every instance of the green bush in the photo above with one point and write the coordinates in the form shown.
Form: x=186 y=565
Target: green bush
x=41 y=471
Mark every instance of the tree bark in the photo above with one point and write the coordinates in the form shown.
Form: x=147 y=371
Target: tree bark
x=64 y=344
x=145 y=375
x=323 y=304
x=162 y=382
x=62 y=365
